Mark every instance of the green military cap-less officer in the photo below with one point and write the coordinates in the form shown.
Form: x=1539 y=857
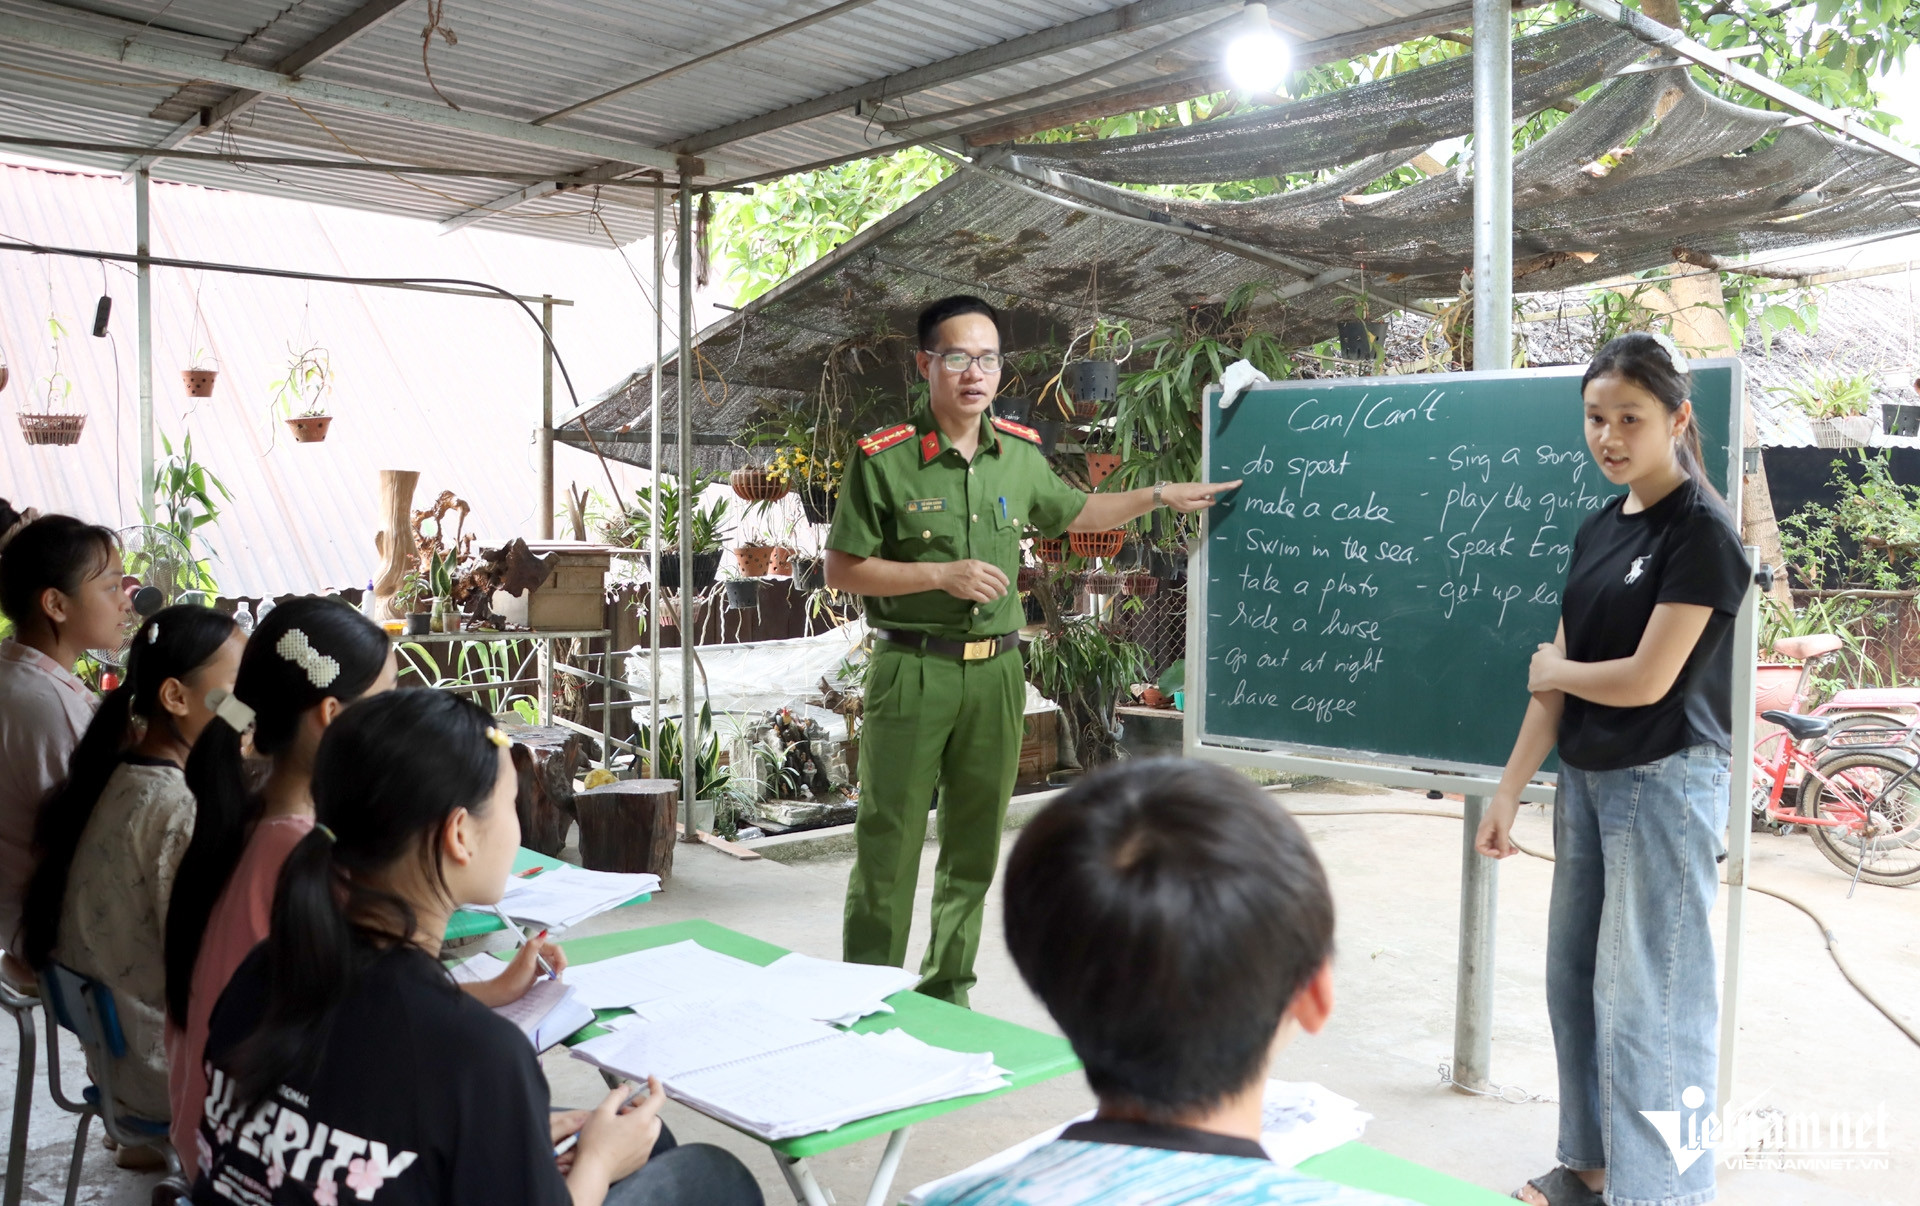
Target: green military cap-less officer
x=934 y=721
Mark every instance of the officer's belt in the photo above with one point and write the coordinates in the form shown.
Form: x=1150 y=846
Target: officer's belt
x=960 y=651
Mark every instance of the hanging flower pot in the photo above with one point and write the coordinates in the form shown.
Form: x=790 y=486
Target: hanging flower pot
x=1139 y=585
x=1015 y=410
x=199 y=382
x=780 y=561
x=1101 y=465
x=1030 y=578
x=706 y=567
x=743 y=594
x=61 y=430
x=1093 y=382
x=1053 y=552
x=309 y=429
x=753 y=559
x=809 y=574
x=816 y=502
x=1097 y=544
x=1100 y=583
x=1362 y=340
x=755 y=484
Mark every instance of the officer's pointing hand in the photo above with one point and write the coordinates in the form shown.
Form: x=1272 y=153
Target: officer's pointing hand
x=974 y=580
x=1187 y=497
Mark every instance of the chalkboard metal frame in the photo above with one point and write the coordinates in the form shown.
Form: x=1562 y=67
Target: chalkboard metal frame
x=1431 y=774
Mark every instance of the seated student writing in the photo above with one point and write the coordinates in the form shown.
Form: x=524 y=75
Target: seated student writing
x=1178 y=927
x=343 y=1062
x=60 y=586
x=111 y=840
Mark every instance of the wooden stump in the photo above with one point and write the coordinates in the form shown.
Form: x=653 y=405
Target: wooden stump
x=545 y=760
x=629 y=826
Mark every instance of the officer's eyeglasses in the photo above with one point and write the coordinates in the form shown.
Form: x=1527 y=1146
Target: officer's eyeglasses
x=957 y=362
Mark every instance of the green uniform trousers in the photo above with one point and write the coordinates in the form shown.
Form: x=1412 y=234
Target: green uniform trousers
x=932 y=723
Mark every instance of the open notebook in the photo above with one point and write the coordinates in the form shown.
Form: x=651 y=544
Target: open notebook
x=775 y=1075
x=546 y=1014
x=563 y=896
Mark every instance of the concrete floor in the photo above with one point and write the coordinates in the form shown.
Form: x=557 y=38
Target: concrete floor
x=1808 y=1042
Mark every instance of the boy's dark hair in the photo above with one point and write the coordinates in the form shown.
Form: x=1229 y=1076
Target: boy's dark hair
x=952 y=307
x=1167 y=912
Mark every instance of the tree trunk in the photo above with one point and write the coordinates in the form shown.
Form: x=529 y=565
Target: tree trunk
x=544 y=762
x=394 y=543
x=629 y=826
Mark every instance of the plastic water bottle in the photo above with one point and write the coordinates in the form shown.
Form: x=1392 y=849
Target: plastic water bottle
x=266 y=605
x=243 y=618
x=369 y=606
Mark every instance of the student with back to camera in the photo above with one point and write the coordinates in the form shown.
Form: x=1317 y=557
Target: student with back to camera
x=1637 y=689
x=347 y=1065
x=60 y=587
x=112 y=838
x=1177 y=925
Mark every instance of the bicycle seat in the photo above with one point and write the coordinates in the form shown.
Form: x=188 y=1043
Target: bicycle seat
x=1801 y=648
x=1803 y=728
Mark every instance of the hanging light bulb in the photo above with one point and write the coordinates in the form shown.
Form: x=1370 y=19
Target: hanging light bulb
x=1257 y=59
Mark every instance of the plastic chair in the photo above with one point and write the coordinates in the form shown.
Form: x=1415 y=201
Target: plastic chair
x=21 y=1006
x=85 y=1007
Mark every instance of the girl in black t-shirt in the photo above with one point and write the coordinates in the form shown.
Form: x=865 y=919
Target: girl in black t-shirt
x=343 y=1064
x=1636 y=691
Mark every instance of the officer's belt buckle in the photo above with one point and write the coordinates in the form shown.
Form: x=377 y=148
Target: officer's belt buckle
x=977 y=651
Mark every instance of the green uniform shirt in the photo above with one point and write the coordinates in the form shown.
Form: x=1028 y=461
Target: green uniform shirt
x=916 y=499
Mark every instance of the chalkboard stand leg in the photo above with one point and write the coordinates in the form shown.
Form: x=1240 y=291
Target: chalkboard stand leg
x=1473 y=996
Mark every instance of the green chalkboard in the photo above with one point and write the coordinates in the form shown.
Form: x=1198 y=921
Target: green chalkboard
x=1380 y=582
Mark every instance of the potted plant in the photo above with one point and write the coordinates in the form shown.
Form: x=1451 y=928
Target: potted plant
x=443 y=618
x=410 y=601
x=1083 y=665
x=1100 y=466
x=1097 y=544
x=1031 y=577
x=1053 y=551
x=743 y=593
x=55 y=422
x=632 y=528
x=1140 y=584
x=780 y=560
x=301 y=395
x=199 y=378
x=1095 y=380
x=1901 y=419
x=809 y=574
x=1099 y=582
x=815 y=477
x=754 y=558
x=754 y=484
x=1835 y=406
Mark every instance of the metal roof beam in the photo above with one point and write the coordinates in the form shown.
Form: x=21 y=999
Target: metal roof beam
x=1140 y=15
x=127 y=50
x=339 y=34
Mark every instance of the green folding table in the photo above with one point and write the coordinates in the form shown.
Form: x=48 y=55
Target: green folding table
x=468 y=923
x=1028 y=1056
x=1365 y=1167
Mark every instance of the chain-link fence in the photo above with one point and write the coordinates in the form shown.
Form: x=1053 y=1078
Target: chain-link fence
x=1158 y=624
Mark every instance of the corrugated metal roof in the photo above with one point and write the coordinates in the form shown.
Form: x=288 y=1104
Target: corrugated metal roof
x=530 y=58
x=446 y=385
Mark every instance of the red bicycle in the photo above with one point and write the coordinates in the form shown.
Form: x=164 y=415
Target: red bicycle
x=1860 y=802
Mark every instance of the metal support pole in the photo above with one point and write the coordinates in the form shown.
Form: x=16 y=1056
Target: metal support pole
x=690 y=736
x=1746 y=651
x=653 y=495
x=545 y=438
x=1473 y=991
x=1492 y=184
x=143 y=305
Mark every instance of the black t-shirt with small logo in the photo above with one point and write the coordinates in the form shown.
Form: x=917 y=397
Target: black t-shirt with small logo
x=1683 y=549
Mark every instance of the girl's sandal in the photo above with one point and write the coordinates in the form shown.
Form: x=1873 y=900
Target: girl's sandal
x=1563 y=1187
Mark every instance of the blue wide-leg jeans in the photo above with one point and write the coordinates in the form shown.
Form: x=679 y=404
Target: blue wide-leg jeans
x=1632 y=990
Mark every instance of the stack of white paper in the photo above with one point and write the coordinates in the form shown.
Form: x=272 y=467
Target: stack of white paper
x=1298 y=1120
x=799 y=1088
x=547 y=1013
x=683 y=969
x=830 y=991
x=565 y=896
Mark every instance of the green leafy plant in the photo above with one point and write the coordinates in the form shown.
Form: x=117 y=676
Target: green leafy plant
x=1082 y=666
x=1868 y=539
x=630 y=528
x=1854 y=620
x=1837 y=397
x=710 y=779
x=56 y=388
x=184 y=503
x=484 y=671
x=302 y=393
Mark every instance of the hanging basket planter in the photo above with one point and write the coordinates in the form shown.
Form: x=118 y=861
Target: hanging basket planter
x=309 y=429
x=809 y=574
x=1139 y=585
x=1361 y=340
x=1101 y=466
x=753 y=559
x=199 y=382
x=59 y=430
x=1097 y=544
x=816 y=503
x=780 y=561
x=743 y=594
x=1100 y=583
x=755 y=484
x=1093 y=382
x=1030 y=578
x=1053 y=552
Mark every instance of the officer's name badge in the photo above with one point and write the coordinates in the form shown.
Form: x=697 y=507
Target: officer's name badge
x=921 y=506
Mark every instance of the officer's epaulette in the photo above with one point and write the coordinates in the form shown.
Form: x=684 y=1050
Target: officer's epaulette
x=1019 y=430
x=885 y=438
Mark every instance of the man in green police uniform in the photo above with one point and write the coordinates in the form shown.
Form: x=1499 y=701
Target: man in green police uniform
x=928 y=530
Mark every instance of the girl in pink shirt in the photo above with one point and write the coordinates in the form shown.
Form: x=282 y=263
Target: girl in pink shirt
x=60 y=586
x=306 y=661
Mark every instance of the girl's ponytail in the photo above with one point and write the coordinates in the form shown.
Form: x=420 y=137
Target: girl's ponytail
x=172 y=645
x=305 y=651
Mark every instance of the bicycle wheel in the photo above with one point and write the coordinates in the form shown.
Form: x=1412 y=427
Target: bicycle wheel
x=1879 y=801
